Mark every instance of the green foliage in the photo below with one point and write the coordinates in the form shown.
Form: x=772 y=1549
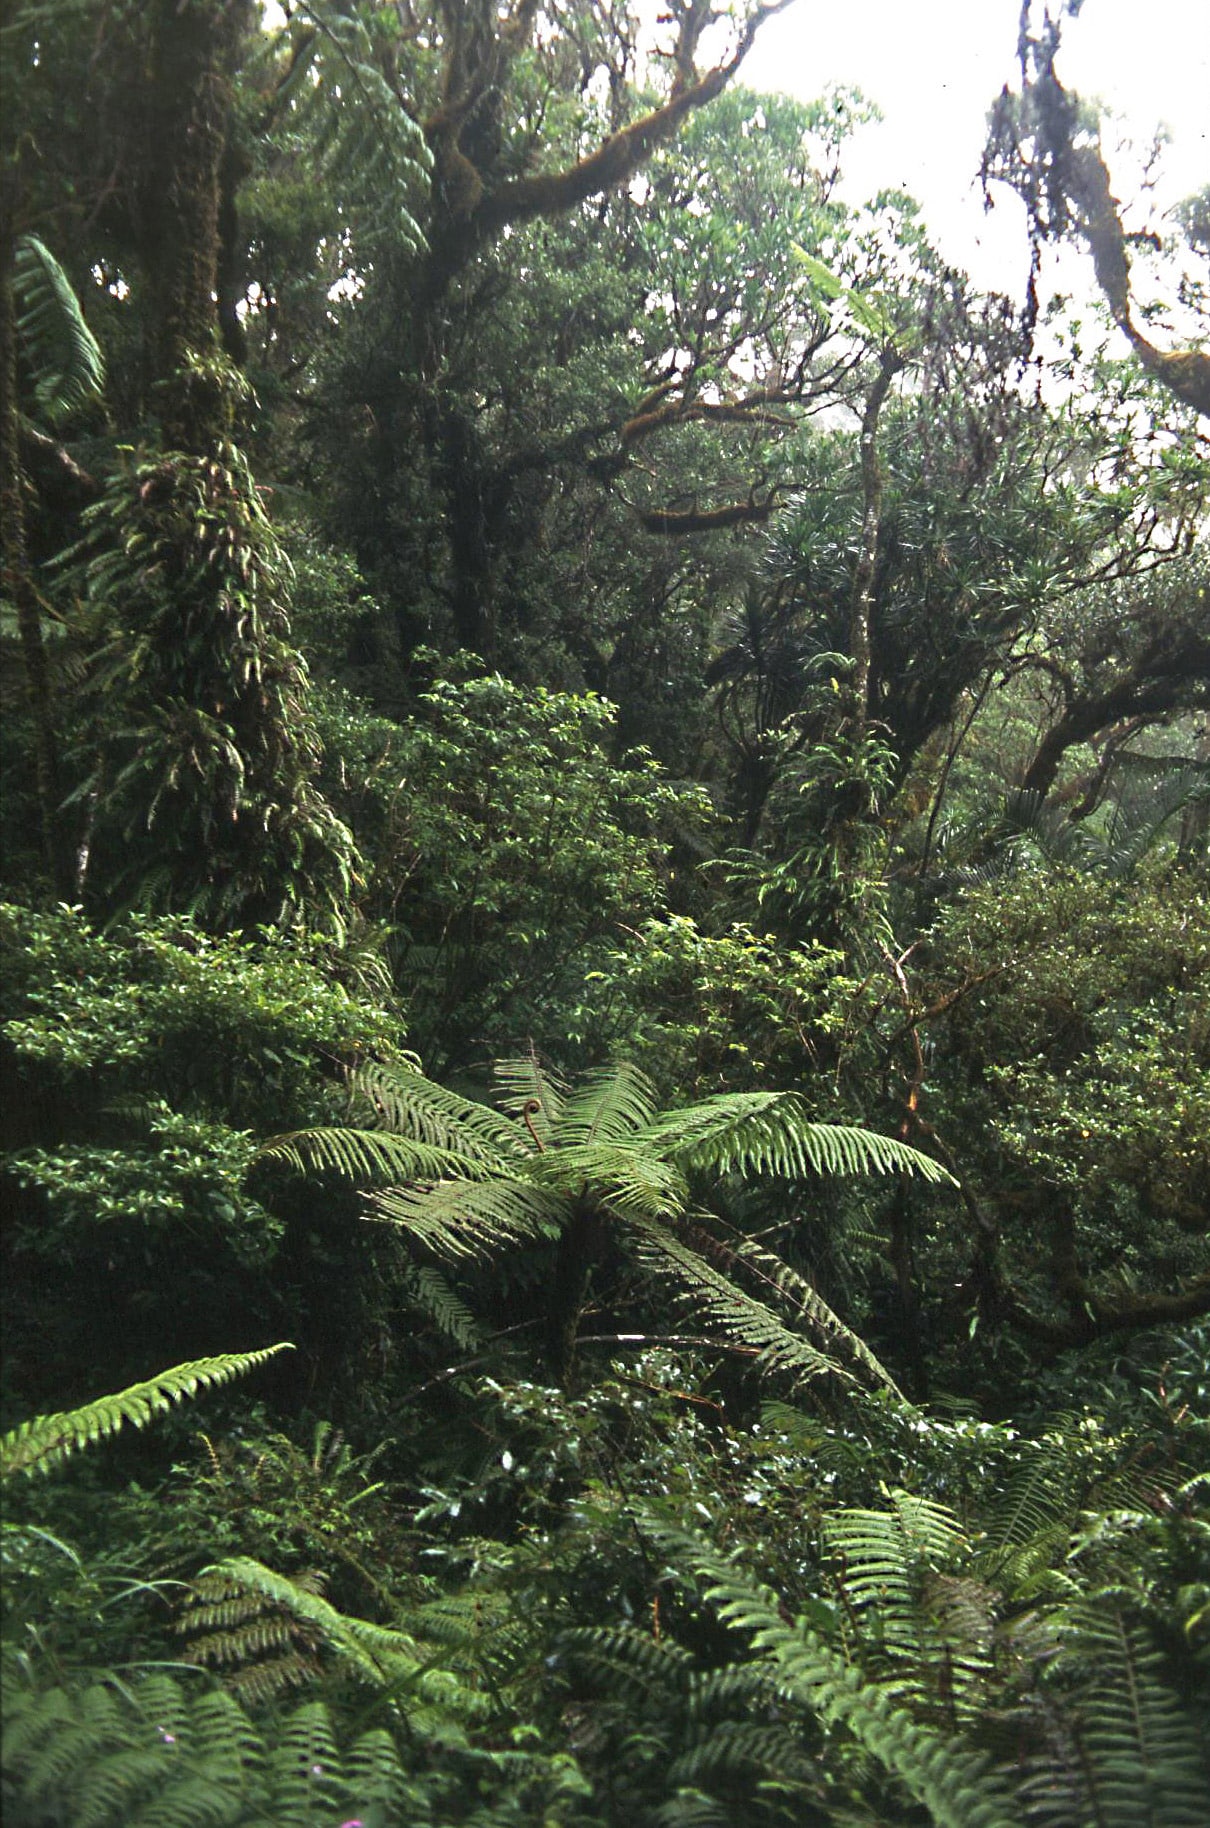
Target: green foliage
x=158 y=1750
x=44 y=1441
x=207 y=751
x=511 y=856
x=62 y=356
x=139 y=1065
x=571 y=1161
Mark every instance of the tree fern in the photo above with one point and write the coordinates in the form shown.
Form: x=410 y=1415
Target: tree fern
x=477 y=1183
x=60 y=353
x=45 y=1440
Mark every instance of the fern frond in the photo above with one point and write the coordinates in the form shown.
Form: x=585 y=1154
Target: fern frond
x=528 y=1090
x=1141 y=1752
x=954 y=1783
x=375 y=1652
x=627 y=1180
x=444 y=1307
x=811 y=1307
x=608 y=1107
x=60 y=352
x=408 y=1104
x=722 y=1304
x=459 y=1218
x=364 y=1155
x=45 y=1440
x=769 y=1133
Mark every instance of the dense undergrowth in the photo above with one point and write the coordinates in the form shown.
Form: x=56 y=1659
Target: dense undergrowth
x=604 y=949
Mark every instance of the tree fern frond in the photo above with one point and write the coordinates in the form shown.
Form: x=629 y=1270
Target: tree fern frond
x=60 y=351
x=530 y=1091
x=47 y=1439
x=811 y=1307
x=720 y=1303
x=769 y=1133
x=444 y=1307
x=408 y=1104
x=459 y=1218
x=627 y=1180
x=364 y=1155
x=608 y=1107
x=953 y=1782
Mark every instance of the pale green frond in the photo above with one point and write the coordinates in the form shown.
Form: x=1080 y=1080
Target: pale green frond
x=458 y=1218
x=408 y=1104
x=60 y=352
x=608 y=1106
x=626 y=1180
x=444 y=1307
x=770 y=1133
x=366 y=1155
x=376 y=1653
x=811 y=1307
x=45 y=1440
x=719 y=1303
x=528 y=1090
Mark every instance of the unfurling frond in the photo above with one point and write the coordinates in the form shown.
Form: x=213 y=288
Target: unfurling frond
x=45 y=1440
x=718 y=1302
x=60 y=352
x=531 y=1092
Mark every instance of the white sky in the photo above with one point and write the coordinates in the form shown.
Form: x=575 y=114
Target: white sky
x=935 y=66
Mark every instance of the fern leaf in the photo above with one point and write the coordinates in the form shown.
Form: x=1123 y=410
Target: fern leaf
x=459 y=1218
x=608 y=1107
x=45 y=1440
x=1141 y=1754
x=529 y=1091
x=769 y=1133
x=60 y=351
x=722 y=1304
x=953 y=1782
x=408 y=1104
x=363 y=1155
x=811 y=1307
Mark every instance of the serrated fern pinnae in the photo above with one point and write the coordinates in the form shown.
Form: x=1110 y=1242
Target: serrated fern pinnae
x=46 y=1440
x=940 y=1771
x=808 y=1306
x=155 y=1752
x=738 y=1317
x=60 y=352
x=1141 y=1758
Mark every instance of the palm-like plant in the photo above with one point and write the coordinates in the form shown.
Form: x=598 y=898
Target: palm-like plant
x=602 y=1163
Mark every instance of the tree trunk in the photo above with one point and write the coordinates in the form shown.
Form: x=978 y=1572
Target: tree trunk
x=20 y=587
x=192 y=63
